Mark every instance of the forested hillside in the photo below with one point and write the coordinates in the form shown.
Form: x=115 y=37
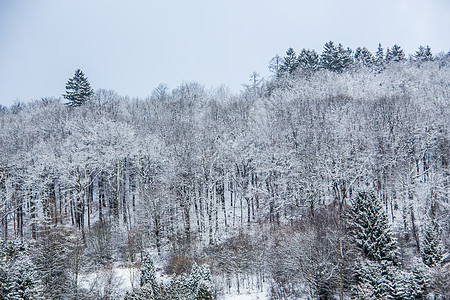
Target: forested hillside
x=329 y=180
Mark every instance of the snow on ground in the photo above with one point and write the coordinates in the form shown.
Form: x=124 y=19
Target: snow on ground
x=250 y=296
x=126 y=276
x=114 y=281
x=247 y=295
x=118 y=280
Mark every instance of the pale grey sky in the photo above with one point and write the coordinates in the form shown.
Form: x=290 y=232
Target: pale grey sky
x=131 y=46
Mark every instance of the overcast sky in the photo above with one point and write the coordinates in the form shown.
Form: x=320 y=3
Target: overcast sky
x=131 y=46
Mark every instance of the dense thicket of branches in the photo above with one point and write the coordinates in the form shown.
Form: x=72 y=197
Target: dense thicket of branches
x=257 y=184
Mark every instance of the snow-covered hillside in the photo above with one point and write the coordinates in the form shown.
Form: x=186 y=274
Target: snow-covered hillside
x=309 y=184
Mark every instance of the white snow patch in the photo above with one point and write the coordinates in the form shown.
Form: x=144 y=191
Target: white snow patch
x=250 y=296
x=111 y=281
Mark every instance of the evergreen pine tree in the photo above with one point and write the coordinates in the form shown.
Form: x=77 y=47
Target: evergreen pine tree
x=383 y=280
x=419 y=283
x=308 y=61
x=194 y=278
x=363 y=57
x=199 y=282
x=19 y=278
x=205 y=290
x=374 y=281
x=147 y=270
x=335 y=58
x=194 y=286
x=182 y=287
x=372 y=232
x=432 y=252
x=142 y=293
x=24 y=280
x=290 y=62
x=378 y=277
x=53 y=261
x=78 y=89
x=149 y=287
x=328 y=56
x=148 y=276
x=423 y=54
x=379 y=57
x=395 y=54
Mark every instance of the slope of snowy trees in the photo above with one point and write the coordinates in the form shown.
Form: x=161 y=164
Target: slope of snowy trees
x=263 y=186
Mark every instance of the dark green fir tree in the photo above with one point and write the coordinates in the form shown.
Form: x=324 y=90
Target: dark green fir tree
x=378 y=59
x=423 y=54
x=308 y=61
x=395 y=54
x=432 y=251
x=371 y=228
x=149 y=288
x=148 y=276
x=200 y=282
x=19 y=276
x=335 y=57
x=143 y=293
x=290 y=62
x=363 y=57
x=78 y=89
x=383 y=280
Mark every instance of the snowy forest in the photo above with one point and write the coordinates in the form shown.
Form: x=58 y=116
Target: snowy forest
x=328 y=180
